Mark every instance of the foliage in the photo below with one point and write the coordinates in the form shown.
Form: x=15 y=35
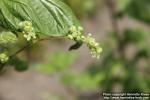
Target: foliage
x=114 y=71
x=118 y=71
x=76 y=35
x=126 y=74
x=82 y=82
x=7 y=38
x=49 y=17
x=139 y=10
x=87 y=7
x=122 y=4
x=57 y=62
x=3 y=57
x=25 y=22
x=136 y=9
x=19 y=64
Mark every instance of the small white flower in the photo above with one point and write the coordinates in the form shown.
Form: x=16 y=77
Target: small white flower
x=89 y=34
x=73 y=29
x=30 y=36
x=70 y=37
x=7 y=38
x=80 y=28
x=76 y=34
x=27 y=30
x=3 y=57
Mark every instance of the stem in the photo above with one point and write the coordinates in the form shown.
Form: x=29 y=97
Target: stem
x=1 y=66
x=52 y=37
x=112 y=10
x=23 y=48
x=114 y=21
x=20 y=50
x=26 y=46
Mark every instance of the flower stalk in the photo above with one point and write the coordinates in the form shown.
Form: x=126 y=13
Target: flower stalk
x=76 y=35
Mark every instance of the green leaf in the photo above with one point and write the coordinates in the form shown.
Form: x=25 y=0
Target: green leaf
x=7 y=38
x=19 y=64
x=122 y=4
x=49 y=17
x=58 y=62
x=140 y=10
x=134 y=35
x=82 y=81
x=143 y=53
x=77 y=45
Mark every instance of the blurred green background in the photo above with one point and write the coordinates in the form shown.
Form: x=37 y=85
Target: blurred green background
x=121 y=27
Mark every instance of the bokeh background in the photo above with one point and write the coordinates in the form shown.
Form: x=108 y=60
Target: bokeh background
x=122 y=29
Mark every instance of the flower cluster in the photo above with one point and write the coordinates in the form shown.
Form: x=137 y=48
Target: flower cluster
x=3 y=57
x=76 y=35
x=27 y=30
x=7 y=37
x=93 y=45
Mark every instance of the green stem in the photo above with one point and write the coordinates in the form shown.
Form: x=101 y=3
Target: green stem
x=26 y=46
x=23 y=48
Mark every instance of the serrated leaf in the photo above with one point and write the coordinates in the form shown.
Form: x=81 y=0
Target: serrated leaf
x=49 y=17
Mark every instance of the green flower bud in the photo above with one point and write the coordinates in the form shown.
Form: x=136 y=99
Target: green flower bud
x=7 y=37
x=73 y=29
x=30 y=36
x=80 y=28
x=76 y=34
x=70 y=37
x=26 y=26
x=3 y=57
x=27 y=30
x=93 y=46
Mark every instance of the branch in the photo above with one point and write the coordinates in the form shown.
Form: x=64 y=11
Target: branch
x=13 y=55
x=112 y=11
x=20 y=50
x=25 y=47
x=2 y=66
x=52 y=37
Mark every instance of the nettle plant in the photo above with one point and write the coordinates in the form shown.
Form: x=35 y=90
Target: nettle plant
x=26 y=22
